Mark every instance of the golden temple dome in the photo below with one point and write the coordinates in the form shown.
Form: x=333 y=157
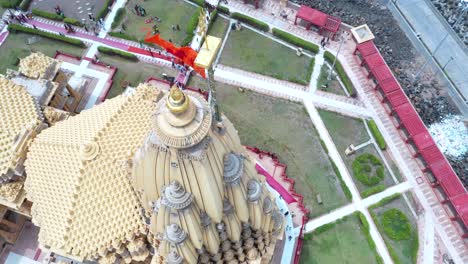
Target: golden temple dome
x=196 y=191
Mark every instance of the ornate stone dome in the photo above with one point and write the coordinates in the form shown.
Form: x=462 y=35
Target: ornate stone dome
x=200 y=190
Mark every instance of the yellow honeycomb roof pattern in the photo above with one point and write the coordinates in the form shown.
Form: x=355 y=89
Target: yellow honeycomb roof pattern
x=18 y=111
x=38 y=65
x=77 y=176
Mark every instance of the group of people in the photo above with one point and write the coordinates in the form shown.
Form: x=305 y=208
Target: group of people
x=20 y=18
x=324 y=42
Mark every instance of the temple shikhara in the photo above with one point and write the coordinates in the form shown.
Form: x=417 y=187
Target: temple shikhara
x=148 y=176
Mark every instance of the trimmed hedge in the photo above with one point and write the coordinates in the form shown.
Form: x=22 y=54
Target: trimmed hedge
x=373 y=190
x=123 y=36
x=251 y=21
x=112 y=52
x=72 y=21
x=295 y=40
x=377 y=135
x=45 y=14
x=198 y=2
x=345 y=188
x=191 y=27
x=223 y=10
x=341 y=72
x=324 y=228
x=370 y=241
x=396 y=225
x=105 y=9
x=10 y=3
x=386 y=200
x=13 y=28
x=25 y=5
x=362 y=167
x=121 y=12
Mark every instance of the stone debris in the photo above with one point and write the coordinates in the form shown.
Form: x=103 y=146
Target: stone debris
x=451 y=135
x=451 y=11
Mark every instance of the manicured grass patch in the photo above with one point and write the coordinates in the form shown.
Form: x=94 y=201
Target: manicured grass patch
x=174 y=12
x=254 y=52
x=345 y=131
x=48 y=15
x=341 y=72
x=332 y=86
x=123 y=36
x=132 y=72
x=296 y=40
x=368 y=169
x=402 y=224
x=105 y=9
x=198 y=2
x=377 y=135
x=266 y=123
x=396 y=225
x=251 y=21
x=340 y=242
x=191 y=27
x=373 y=190
x=13 y=28
x=123 y=54
x=17 y=47
x=9 y=3
x=219 y=27
x=121 y=12
x=25 y=5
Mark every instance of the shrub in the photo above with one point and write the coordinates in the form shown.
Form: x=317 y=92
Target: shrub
x=370 y=241
x=396 y=225
x=324 y=146
x=123 y=36
x=105 y=9
x=13 y=28
x=10 y=3
x=121 y=12
x=377 y=135
x=341 y=73
x=25 y=5
x=373 y=190
x=198 y=2
x=223 y=10
x=72 y=21
x=345 y=188
x=112 y=52
x=362 y=169
x=193 y=22
x=296 y=40
x=46 y=14
x=187 y=40
x=385 y=201
x=251 y=21
x=213 y=17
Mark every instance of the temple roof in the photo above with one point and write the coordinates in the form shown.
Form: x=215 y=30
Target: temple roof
x=19 y=113
x=38 y=65
x=77 y=176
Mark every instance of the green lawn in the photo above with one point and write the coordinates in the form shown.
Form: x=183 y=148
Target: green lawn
x=134 y=72
x=404 y=250
x=343 y=243
x=346 y=130
x=254 y=52
x=219 y=27
x=334 y=85
x=285 y=128
x=174 y=12
x=15 y=47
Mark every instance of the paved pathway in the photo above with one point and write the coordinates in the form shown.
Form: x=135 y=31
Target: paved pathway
x=291 y=91
x=407 y=164
x=319 y=61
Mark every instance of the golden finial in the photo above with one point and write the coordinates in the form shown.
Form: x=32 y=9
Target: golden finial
x=177 y=102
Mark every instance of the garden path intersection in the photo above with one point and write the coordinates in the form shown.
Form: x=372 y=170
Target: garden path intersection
x=366 y=106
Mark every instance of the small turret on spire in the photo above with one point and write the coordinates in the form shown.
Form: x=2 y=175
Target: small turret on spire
x=177 y=102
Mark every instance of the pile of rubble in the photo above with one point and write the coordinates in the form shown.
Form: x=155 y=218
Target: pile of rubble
x=427 y=95
x=451 y=11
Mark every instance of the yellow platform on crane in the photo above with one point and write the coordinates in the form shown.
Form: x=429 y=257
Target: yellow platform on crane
x=208 y=52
